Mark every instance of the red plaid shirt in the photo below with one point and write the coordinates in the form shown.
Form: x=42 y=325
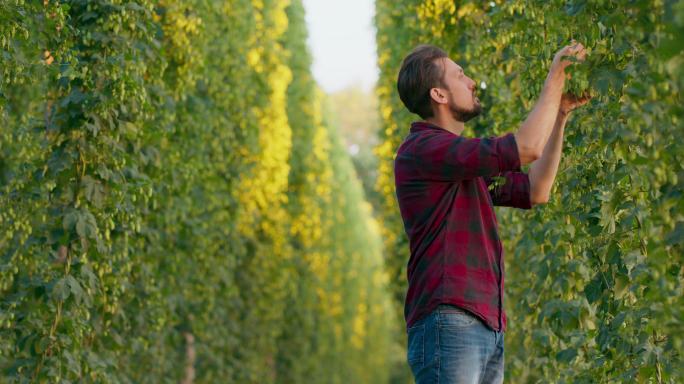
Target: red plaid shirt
x=442 y=184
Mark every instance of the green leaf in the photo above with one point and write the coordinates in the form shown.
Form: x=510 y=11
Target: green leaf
x=618 y=320
x=566 y=355
x=75 y=289
x=94 y=190
x=60 y=291
x=593 y=290
x=86 y=226
x=91 y=279
x=676 y=237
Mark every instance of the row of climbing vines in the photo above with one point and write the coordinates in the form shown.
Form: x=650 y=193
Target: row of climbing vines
x=174 y=206
x=594 y=277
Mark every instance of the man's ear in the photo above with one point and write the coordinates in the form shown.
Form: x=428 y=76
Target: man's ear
x=438 y=95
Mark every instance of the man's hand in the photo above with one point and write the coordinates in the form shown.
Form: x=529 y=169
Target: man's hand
x=569 y=102
x=575 y=50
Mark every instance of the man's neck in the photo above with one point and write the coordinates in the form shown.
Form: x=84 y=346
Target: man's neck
x=447 y=122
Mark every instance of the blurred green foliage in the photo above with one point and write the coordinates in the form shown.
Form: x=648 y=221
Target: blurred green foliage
x=174 y=206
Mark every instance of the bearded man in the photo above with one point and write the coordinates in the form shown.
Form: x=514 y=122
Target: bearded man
x=455 y=320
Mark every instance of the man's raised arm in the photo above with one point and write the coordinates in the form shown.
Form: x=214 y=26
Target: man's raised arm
x=534 y=132
x=543 y=171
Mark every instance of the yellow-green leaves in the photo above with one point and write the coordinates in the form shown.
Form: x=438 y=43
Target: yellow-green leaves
x=167 y=174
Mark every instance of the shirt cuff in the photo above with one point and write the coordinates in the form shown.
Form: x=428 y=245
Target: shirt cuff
x=509 y=158
x=516 y=192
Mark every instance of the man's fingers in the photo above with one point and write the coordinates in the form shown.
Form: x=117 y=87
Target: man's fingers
x=574 y=47
x=576 y=50
x=582 y=54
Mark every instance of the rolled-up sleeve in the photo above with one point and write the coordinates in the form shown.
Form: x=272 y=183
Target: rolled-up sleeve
x=443 y=156
x=515 y=192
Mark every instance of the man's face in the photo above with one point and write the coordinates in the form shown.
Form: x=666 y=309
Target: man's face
x=461 y=89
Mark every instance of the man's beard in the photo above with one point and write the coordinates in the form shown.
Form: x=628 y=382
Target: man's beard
x=463 y=115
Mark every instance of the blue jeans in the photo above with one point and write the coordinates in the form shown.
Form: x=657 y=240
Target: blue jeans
x=453 y=346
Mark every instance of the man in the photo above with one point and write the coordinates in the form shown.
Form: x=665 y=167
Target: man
x=445 y=186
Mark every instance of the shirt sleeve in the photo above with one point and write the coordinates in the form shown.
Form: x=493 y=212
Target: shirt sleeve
x=443 y=156
x=514 y=193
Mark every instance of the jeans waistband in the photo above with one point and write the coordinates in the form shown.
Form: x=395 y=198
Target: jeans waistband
x=452 y=307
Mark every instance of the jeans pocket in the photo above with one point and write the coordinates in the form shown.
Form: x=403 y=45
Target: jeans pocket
x=416 y=345
x=456 y=319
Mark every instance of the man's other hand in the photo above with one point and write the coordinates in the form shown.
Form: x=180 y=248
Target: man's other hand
x=569 y=102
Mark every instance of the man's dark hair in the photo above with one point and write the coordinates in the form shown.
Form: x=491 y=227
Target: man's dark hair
x=418 y=74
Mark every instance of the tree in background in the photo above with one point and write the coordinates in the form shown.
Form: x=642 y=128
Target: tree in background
x=174 y=206
x=354 y=113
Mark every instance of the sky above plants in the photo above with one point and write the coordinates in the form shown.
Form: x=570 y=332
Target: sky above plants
x=342 y=42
